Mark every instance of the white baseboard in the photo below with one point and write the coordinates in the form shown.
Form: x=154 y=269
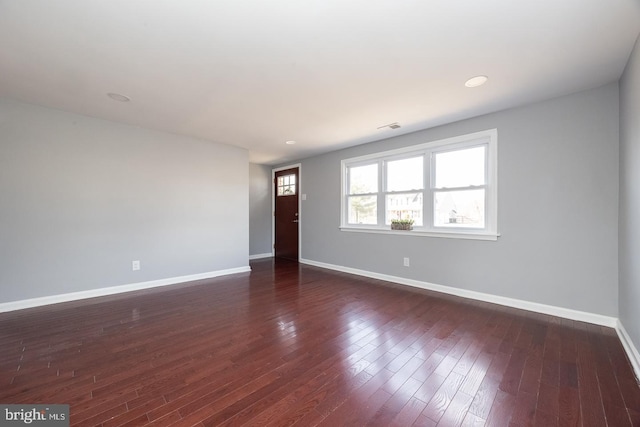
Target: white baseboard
x=632 y=351
x=73 y=296
x=260 y=256
x=567 y=313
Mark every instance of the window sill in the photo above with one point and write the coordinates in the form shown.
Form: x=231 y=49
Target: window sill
x=449 y=234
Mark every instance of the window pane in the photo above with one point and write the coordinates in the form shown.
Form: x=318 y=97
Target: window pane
x=460 y=168
x=363 y=210
x=404 y=206
x=363 y=179
x=459 y=208
x=405 y=174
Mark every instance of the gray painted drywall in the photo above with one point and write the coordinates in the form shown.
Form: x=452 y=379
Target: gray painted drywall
x=80 y=198
x=558 y=209
x=259 y=209
x=629 y=224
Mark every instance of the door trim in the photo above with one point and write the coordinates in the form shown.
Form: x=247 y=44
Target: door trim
x=273 y=207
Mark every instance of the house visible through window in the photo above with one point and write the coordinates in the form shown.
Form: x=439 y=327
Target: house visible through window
x=448 y=188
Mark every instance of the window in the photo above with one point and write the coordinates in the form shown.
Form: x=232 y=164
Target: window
x=448 y=188
x=362 y=198
x=403 y=189
x=287 y=185
x=459 y=187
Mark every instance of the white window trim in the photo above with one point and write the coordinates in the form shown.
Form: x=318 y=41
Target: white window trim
x=490 y=137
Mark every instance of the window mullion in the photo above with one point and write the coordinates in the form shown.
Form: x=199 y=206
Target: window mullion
x=345 y=199
x=382 y=178
x=428 y=189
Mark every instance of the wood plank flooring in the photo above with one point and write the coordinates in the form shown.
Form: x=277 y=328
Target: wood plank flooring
x=298 y=345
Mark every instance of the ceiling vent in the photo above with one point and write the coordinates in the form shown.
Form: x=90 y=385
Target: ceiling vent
x=118 y=97
x=393 y=125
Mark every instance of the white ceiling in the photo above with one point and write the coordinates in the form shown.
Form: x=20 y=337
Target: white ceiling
x=325 y=73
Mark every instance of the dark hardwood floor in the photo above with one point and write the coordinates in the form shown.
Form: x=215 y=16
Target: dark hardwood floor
x=289 y=344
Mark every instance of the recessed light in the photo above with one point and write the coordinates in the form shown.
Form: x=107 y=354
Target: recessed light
x=476 y=81
x=118 y=97
x=290 y=142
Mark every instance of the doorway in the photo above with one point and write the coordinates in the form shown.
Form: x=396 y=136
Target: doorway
x=286 y=185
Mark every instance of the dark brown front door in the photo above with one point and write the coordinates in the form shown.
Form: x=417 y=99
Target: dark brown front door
x=286 y=224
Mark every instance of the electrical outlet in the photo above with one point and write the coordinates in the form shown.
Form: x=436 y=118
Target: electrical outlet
x=406 y=262
x=135 y=265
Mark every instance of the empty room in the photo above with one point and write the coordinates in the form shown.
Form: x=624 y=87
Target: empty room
x=333 y=213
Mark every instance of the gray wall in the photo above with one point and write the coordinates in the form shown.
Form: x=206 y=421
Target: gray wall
x=558 y=209
x=259 y=209
x=80 y=198
x=629 y=226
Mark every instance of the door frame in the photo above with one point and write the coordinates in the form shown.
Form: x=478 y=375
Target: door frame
x=273 y=207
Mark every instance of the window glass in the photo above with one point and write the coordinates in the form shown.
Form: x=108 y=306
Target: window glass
x=363 y=179
x=463 y=208
x=287 y=185
x=404 y=206
x=363 y=210
x=405 y=174
x=460 y=168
